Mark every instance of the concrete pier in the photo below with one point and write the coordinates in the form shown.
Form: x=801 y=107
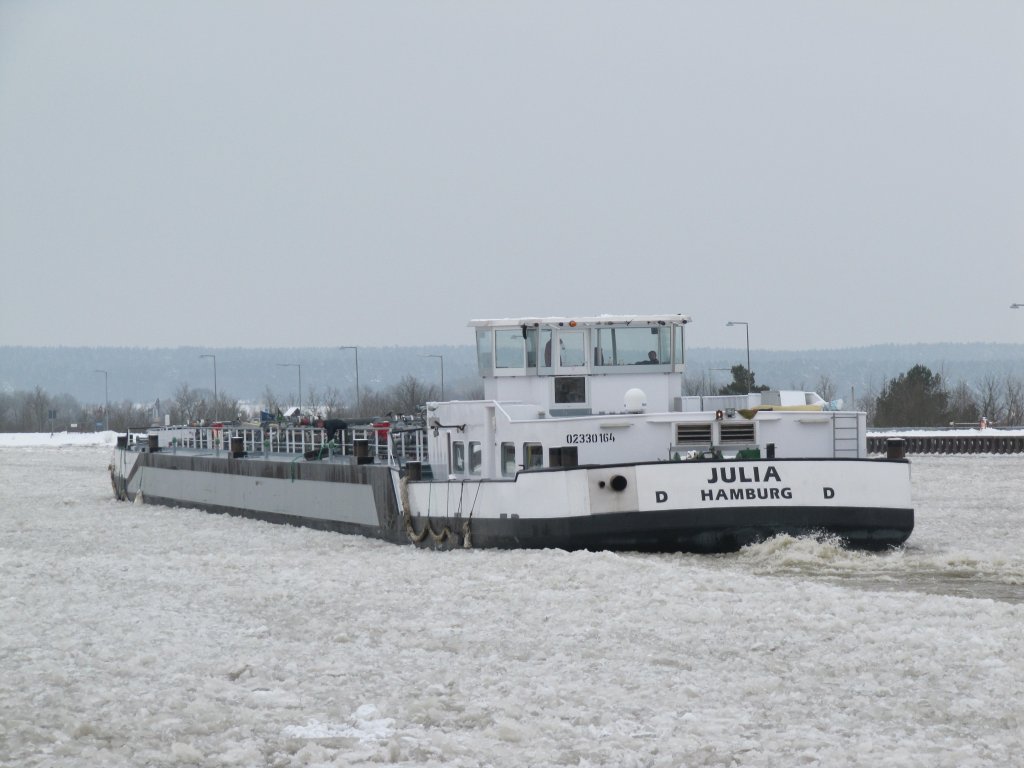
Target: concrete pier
x=921 y=442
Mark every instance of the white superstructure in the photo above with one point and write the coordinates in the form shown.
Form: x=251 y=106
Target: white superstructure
x=610 y=387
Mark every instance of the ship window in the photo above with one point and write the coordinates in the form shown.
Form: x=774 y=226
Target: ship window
x=508 y=349
x=508 y=459
x=458 y=457
x=483 y=351
x=570 y=389
x=533 y=455
x=545 y=344
x=571 y=353
x=475 y=457
x=678 y=346
x=633 y=346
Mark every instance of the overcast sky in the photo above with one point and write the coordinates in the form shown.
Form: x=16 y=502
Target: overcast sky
x=377 y=173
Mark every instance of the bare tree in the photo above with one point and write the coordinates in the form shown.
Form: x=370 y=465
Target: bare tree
x=1013 y=401
x=313 y=404
x=126 y=415
x=187 y=406
x=989 y=400
x=701 y=386
x=225 y=407
x=409 y=394
x=271 y=402
x=35 y=409
x=8 y=410
x=826 y=387
x=963 y=405
x=331 y=403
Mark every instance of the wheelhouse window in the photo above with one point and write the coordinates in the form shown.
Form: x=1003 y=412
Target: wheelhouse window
x=633 y=346
x=570 y=389
x=475 y=457
x=483 y=351
x=459 y=457
x=508 y=459
x=508 y=349
x=533 y=455
x=571 y=352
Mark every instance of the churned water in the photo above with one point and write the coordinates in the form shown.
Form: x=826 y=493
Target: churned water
x=141 y=636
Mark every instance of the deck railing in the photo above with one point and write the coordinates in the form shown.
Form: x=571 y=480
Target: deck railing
x=386 y=444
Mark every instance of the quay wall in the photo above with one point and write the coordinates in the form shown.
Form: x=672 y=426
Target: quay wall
x=923 y=442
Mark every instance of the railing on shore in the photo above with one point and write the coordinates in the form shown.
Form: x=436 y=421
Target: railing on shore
x=383 y=444
x=924 y=443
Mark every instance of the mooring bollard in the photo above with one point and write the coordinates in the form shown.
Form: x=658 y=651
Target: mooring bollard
x=895 y=448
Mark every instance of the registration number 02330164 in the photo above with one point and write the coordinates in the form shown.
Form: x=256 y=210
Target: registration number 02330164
x=579 y=438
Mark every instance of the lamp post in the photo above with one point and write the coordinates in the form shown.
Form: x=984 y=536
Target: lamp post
x=356 y=350
x=106 y=401
x=216 y=400
x=441 y=358
x=295 y=365
x=746 y=326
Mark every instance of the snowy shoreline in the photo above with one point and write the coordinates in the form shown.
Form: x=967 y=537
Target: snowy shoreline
x=35 y=439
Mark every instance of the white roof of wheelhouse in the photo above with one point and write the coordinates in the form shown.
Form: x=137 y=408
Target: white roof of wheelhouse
x=587 y=322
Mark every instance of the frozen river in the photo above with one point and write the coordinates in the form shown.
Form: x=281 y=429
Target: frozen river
x=141 y=636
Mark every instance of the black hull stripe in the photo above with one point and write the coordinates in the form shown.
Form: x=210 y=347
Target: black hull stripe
x=699 y=531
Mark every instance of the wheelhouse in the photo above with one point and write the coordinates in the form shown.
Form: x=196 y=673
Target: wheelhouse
x=579 y=366
x=554 y=383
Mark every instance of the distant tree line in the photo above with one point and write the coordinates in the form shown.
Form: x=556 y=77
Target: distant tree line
x=917 y=398
x=920 y=398
x=38 y=411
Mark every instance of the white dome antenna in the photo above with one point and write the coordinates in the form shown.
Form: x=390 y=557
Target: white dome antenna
x=635 y=400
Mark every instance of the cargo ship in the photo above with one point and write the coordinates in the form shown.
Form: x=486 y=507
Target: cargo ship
x=582 y=440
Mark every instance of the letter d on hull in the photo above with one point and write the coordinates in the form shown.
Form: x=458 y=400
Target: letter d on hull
x=660 y=497
x=829 y=492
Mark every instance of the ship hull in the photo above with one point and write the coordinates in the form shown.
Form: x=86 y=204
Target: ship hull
x=704 y=507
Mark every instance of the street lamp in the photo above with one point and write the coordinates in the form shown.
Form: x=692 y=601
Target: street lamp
x=106 y=401
x=746 y=326
x=216 y=400
x=356 y=350
x=295 y=365
x=441 y=358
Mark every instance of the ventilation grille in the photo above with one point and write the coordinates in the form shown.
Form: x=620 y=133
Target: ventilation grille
x=687 y=434
x=740 y=432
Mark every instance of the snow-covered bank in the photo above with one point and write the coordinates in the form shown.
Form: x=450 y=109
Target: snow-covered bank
x=15 y=439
